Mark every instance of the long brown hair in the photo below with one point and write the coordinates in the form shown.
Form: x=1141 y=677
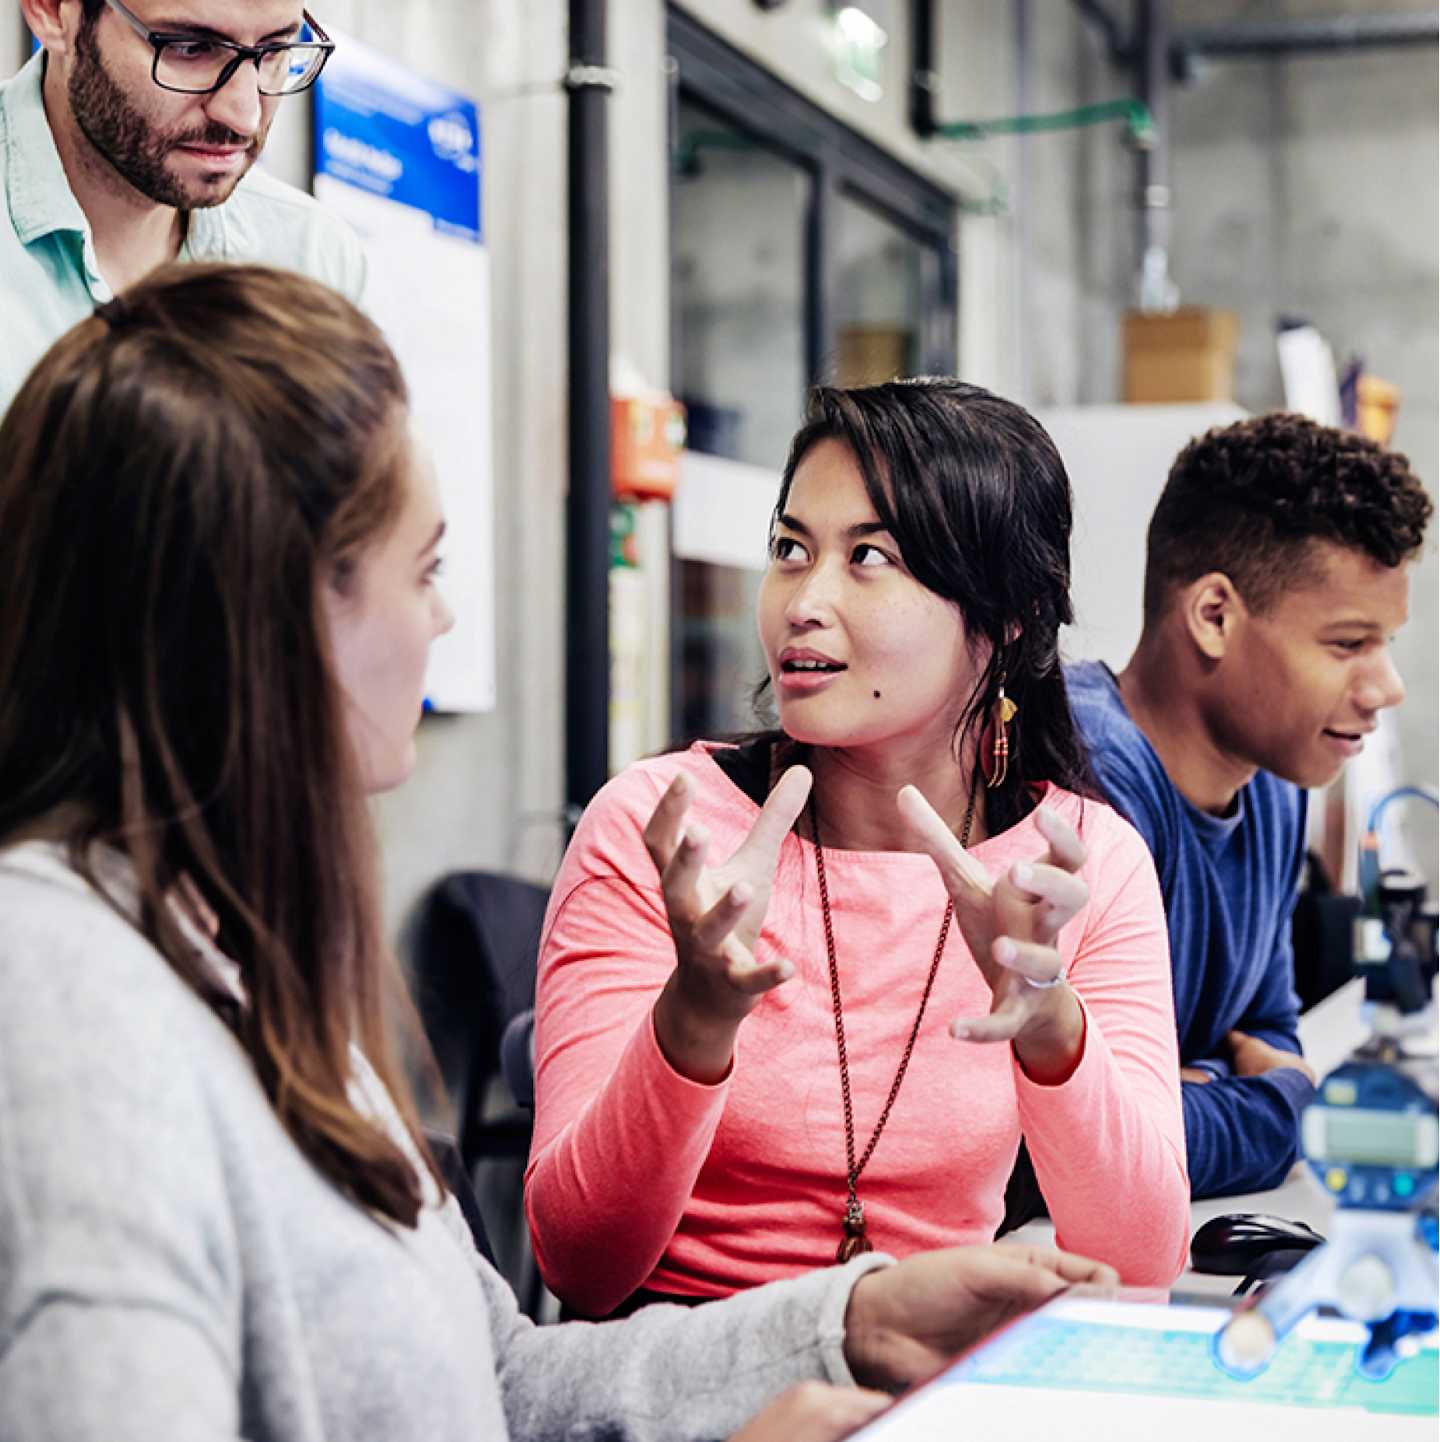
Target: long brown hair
x=181 y=476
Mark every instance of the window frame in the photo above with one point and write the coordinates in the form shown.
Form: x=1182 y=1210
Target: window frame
x=838 y=161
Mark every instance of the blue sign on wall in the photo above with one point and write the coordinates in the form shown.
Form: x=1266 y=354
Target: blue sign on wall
x=382 y=129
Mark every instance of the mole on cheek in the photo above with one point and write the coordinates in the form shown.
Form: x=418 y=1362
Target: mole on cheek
x=877 y=695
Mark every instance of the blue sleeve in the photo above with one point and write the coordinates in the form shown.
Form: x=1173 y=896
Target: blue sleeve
x=1242 y=1134
x=1274 y=1013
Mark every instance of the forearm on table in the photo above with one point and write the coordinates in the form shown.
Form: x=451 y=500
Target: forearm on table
x=1242 y=1133
x=1282 y=1035
x=679 y=1373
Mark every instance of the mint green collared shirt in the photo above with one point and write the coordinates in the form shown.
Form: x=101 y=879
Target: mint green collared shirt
x=49 y=277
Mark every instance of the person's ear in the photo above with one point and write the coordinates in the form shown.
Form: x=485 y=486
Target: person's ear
x=1212 y=611
x=54 y=23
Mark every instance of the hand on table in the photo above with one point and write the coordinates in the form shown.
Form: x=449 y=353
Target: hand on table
x=905 y=1321
x=715 y=914
x=813 y=1412
x=1253 y=1057
x=1010 y=925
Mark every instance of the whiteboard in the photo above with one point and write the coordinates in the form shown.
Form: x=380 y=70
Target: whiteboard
x=399 y=157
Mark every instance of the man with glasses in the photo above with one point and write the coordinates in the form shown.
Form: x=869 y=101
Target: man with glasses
x=129 y=141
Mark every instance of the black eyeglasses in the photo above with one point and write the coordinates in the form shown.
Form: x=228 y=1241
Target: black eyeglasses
x=197 y=65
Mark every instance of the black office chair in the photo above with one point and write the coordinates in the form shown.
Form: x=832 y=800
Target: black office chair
x=447 y=1156
x=517 y=1058
x=476 y=949
x=475 y=956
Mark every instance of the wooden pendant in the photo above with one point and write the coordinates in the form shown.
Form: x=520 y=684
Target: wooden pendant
x=854 y=1241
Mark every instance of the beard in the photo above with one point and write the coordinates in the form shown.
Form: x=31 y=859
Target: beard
x=134 y=149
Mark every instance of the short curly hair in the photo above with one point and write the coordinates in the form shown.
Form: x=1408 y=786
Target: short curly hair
x=1248 y=499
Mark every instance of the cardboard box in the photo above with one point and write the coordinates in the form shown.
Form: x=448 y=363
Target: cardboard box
x=1188 y=355
x=868 y=355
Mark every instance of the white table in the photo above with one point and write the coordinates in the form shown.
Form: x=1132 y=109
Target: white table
x=1329 y=1032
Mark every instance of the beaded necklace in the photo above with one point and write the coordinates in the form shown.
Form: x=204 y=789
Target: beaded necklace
x=854 y=1239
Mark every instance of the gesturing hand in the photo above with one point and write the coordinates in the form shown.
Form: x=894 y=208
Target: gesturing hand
x=715 y=915
x=1010 y=925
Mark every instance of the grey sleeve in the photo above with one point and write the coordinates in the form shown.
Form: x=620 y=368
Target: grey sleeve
x=119 y=1312
x=682 y=1374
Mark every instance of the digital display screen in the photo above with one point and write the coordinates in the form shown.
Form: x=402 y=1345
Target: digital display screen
x=1371 y=1138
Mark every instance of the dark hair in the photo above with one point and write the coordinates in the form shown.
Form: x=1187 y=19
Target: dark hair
x=1248 y=499
x=180 y=477
x=977 y=498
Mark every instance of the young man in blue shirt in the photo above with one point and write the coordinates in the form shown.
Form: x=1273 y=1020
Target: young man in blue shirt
x=129 y=141
x=1277 y=572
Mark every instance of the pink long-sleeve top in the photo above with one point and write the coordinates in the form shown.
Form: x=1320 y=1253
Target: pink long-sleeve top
x=639 y=1176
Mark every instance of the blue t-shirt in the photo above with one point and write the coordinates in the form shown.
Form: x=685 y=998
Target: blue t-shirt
x=1230 y=885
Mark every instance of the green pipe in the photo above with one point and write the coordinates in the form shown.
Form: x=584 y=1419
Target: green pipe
x=1136 y=115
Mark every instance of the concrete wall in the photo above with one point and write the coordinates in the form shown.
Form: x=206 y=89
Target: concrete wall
x=1308 y=186
x=1305 y=185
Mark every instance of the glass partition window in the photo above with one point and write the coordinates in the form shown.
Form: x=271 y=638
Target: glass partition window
x=737 y=290
x=884 y=278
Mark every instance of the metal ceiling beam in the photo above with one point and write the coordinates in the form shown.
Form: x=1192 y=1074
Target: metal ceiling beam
x=1267 y=39
x=1306 y=37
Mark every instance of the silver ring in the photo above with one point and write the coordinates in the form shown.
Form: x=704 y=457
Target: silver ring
x=1045 y=985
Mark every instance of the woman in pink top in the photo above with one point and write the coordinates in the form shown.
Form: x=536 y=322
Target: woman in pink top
x=805 y=995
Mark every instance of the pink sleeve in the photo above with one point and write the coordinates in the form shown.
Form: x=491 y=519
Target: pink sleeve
x=1108 y=1144
x=619 y=1135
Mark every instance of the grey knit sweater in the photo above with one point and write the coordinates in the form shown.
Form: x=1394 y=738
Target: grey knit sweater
x=171 y=1266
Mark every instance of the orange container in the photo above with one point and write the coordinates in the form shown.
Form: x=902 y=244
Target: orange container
x=1376 y=403
x=646 y=438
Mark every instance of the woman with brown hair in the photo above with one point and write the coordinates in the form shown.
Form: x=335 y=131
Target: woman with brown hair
x=217 y=1215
